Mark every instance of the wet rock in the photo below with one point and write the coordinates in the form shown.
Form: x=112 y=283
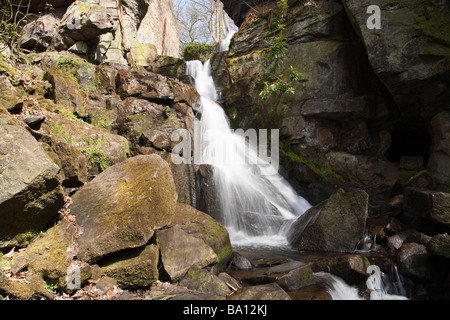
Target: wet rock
x=240 y=262
x=440 y=148
x=429 y=204
x=123 y=206
x=180 y=251
x=336 y=224
x=30 y=185
x=271 y=291
x=297 y=278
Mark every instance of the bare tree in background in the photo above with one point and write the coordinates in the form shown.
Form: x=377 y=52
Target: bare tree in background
x=202 y=21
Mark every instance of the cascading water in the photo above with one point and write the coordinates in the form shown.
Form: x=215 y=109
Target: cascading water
x=256 y=203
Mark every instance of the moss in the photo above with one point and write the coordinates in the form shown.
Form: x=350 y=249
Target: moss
x=326 y=173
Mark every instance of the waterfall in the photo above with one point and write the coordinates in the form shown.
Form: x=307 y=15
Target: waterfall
x=256 y=203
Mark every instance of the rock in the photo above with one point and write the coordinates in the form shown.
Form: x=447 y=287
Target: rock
x=203 y=281
x=336 y=224
x=52 y=254
x=123 y=206
x=297 y=278
x=440 y=245
x=180 y=251
x=167 y=291
x=35 y=287
x=30 y=185
x=65 y=90
x=440 y=148
x=133 y=268
x=350 y=267
x=10 y=97
x=101 y=148
x=106 y=283
x=145 y=84
x=202 y=226
x=412 y=259
x=271 y=291
x=409 y=31
x=38 y=34
x=240 y=262
x=83 y=22
x=429 y=204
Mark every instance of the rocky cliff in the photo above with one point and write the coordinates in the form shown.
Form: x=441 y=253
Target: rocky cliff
x=123 y=32
x=375 y=102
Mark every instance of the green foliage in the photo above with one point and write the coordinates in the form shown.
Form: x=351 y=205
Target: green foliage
x=94 y=153
x=270 y=83
x=11 y=22
x=198 y=51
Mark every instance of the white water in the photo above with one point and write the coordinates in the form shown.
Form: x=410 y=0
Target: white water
x=339 y=290
x=256 y=203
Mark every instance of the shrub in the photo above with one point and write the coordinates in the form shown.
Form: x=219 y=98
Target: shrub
x=198 y=51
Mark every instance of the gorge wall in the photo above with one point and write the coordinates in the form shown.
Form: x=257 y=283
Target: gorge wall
x=376 y=101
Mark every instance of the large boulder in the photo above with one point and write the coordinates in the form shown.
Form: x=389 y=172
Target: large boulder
x=180 y=251
x=30 y=185
x=123 y=206
x=336 y=224
x=428 y=204
x=51 y=254
x=204 y=227
x=133 y=268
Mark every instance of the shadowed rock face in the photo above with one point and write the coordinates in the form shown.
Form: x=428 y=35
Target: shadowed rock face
x=237 y=10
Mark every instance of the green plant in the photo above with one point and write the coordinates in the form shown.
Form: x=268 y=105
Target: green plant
x=270 y=82
x=198 y=51
x=94 y=153
x=13 y=16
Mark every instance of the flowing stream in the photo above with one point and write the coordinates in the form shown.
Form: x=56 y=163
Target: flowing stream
x=256 y=203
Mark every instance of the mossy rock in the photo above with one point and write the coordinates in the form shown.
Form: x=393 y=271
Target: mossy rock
x=123 y=206
x=30 y=185
x=133 y=268
x=51 y=254
x=203 y=226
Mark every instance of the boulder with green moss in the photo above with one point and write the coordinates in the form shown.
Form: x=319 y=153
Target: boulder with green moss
x=133 y=268
x=51 y=254
x=101 y=148
x=204 y=227
x=336 y=224
x=30 y=185
x=123 y=206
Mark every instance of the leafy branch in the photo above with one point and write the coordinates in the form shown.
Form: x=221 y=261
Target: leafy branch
x=12 y=19
x=270 y=83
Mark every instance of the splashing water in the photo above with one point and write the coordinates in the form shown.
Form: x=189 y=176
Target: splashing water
x=256 y=203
